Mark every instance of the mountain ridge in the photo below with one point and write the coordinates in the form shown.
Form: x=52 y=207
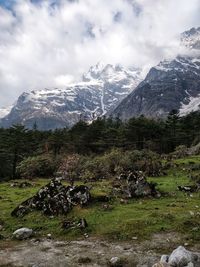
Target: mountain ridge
x=102 y=88
x=172 y=84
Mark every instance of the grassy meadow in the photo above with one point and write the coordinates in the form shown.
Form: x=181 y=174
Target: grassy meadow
x=175 y=211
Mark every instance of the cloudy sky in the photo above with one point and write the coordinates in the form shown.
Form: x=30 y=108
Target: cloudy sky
x=51 y=43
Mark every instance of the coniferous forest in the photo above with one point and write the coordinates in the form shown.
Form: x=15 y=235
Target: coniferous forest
x=20 y=148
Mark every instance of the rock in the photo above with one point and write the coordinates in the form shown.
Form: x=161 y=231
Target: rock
x=69 y=224
x=182 y=257
x=137 y=186
x=190 y=264
x=54 y=199
x=191 y=213
x=86 y=235
x=115 y=262
x=23 y=233
x=164 y=258
x=123 y=201
x=163 y=262
x=122 y=176
x=82 y=223
x=134 y=238
x=49 y=236
x=189 y=189
x=36 y=241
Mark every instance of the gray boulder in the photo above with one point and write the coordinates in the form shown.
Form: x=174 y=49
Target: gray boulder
x=23 y=233
x=181 y=257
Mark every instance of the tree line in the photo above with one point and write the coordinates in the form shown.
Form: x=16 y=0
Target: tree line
x=158 y=135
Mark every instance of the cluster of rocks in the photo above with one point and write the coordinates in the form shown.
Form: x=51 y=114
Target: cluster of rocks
x=135 y=185
x=80 y=224
x=180 y=257
x=189 y=189
x=25 y=233
x=54 y=199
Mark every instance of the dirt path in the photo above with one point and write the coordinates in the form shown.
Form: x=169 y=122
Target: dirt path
x=89 y=252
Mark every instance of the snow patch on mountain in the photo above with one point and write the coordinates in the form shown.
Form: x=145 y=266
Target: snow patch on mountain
x=102 y=88
x=192 y=105
x=172 y=84
x=180 y=63
x=5 y=111
x=191 y=38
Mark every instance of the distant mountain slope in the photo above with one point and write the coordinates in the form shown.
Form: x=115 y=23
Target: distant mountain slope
x=5 y=111
x=100 y=91
x=191 y=38
x=170 y=85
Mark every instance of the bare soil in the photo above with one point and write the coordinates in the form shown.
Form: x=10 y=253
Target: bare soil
x=88 y=252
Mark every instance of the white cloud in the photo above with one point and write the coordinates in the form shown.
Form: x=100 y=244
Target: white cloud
x=62 y=80
x=49 y=45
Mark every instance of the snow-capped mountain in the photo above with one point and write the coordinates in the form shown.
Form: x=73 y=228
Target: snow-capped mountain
x=5 y=111
x=191 y=38
x=172 y=84
x=102 y=88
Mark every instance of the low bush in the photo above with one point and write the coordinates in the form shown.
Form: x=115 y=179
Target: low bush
x=116 y=161
x=38 y=166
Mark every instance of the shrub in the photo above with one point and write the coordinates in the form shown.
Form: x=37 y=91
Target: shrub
x=117 y=161
x=38 y=166
x=180 y=152
x=94 y=168
x=69 y=167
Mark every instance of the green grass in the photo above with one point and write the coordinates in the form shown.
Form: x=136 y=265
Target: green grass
x=188 y=160
x=141 y=217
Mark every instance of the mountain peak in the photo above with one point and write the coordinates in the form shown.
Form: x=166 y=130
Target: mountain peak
x=191 y=38
x=111 y=73
x=93 y=72
x=102 y=89
x=172 y=84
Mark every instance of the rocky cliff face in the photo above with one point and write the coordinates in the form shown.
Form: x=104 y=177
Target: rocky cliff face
x=170 y=85
x=102 y=88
